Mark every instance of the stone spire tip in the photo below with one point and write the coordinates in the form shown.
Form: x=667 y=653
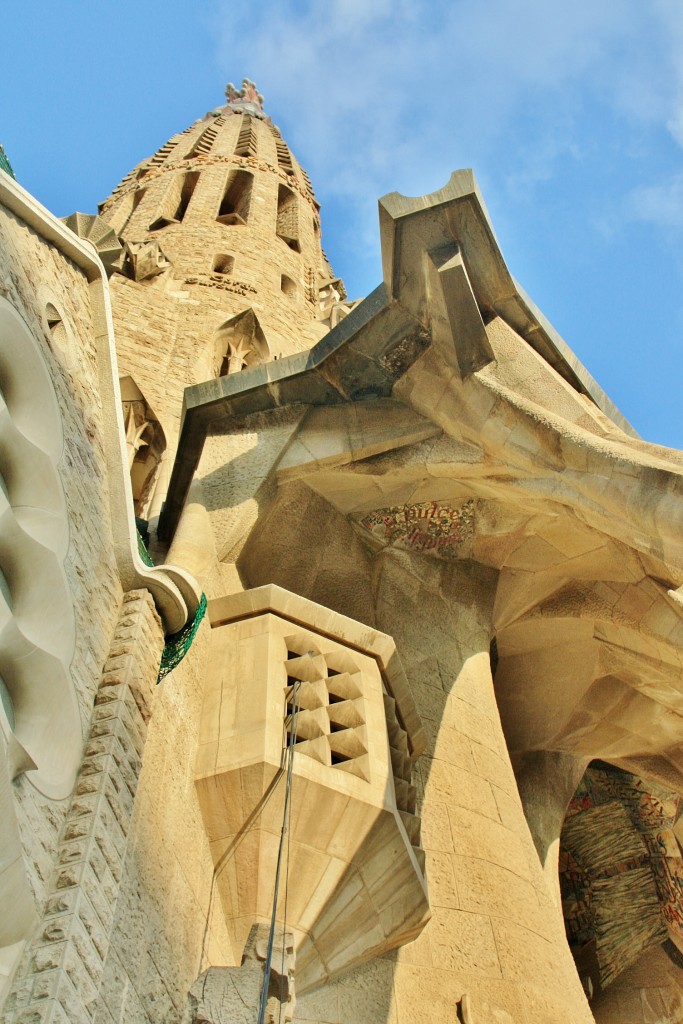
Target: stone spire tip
x=246 y=100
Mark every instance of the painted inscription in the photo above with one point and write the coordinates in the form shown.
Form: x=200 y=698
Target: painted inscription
x=429 y=528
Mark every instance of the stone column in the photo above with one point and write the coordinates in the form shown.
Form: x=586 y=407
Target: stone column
x=495 y=947
x=59 y=978
x=193 y=547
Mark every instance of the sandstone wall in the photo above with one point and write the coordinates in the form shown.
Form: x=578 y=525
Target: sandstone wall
x=166 y=326
x=34 y=274
x=60 y=976
x=168 y=925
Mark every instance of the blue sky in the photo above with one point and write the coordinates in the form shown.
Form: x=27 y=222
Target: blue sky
x=570 y=113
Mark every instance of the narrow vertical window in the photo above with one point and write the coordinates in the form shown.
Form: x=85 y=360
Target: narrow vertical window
x=246 y=142
x=288 y=218
x=177 y=200
x=187 y=188
x=234 y=208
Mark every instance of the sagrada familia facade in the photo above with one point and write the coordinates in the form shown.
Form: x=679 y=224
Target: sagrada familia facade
x=342 y=641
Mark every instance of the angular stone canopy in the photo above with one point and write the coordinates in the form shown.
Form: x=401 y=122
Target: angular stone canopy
x=447 y=396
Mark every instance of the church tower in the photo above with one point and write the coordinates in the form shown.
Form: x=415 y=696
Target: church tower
x=222 y=267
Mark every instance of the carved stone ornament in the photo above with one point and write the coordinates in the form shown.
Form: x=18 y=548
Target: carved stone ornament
x=144 y=260
x=231 y=995
x=247 y=100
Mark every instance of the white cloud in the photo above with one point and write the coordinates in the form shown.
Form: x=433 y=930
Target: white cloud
x=377 y=95
x=660 y=204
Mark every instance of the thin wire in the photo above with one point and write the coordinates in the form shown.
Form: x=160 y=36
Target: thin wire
x=284 y=916
x=285 y=818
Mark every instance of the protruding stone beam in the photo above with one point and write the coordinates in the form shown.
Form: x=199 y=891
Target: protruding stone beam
x=456 y=215
x=328 y=439
x=446 y=235
x=454 y=306
x=361 y=359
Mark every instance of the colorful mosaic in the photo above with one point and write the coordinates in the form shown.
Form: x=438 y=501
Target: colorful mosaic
x=591 y=792
x=619 y=841
x=428 y=528
x=654 y=811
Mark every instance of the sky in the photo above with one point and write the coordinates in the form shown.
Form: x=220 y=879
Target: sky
x=570 y=114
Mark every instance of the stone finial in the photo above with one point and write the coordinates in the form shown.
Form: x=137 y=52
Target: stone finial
x=246 y=100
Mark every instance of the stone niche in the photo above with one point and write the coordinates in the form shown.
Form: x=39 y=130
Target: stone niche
x=145 y=442
x=354 y=883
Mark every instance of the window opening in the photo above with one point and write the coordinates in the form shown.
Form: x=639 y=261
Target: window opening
x=145 y=442
x=246 y=141
x=284 y=157
x=205 y=140
x=234 y=208
x=55 y=325
x=287 y=227
x=288 y=286
x=162 y=153
x=223 y=264
x=239 y=343
x=177 y=201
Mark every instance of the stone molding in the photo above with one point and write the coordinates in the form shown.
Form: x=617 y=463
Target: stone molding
x=175 y=593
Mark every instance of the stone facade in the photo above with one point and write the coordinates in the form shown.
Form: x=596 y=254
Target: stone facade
x=401 y=690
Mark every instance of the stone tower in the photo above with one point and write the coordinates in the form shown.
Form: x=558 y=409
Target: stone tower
x=222 y=267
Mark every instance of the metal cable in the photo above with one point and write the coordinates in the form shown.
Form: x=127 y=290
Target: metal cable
x=283 y=833
x=284 y=913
